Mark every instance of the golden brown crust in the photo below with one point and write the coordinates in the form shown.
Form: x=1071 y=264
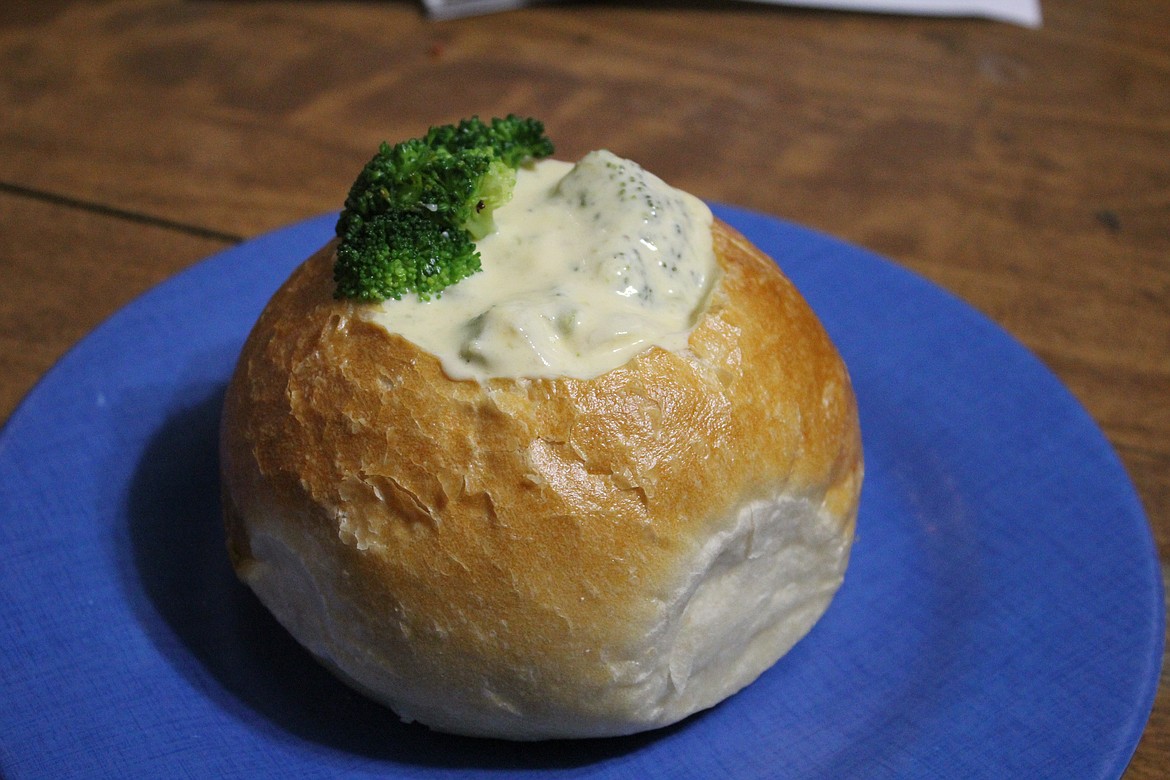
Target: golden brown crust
x=522 y=514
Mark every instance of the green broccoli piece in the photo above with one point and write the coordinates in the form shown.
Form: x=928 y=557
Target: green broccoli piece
x=412 y=216
x=402 y=251
x=513 y=139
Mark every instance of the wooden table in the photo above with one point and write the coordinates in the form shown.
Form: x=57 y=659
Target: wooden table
x=1027 y=171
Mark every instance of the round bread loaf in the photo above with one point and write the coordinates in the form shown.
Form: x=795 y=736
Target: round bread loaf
x=544 y=558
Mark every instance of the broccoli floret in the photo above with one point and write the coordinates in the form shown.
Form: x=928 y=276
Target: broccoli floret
x=513 y=139
x=413 y=214
x=401 y=251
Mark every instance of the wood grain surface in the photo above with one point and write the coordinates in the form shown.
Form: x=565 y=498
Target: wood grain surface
x=1027 y=171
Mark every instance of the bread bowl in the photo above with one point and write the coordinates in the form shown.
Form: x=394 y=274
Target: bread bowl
x=539 y=557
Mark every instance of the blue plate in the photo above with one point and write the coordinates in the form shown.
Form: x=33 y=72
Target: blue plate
x=1002 y=616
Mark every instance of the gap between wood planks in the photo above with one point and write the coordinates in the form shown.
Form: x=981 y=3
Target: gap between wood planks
x=117 y=213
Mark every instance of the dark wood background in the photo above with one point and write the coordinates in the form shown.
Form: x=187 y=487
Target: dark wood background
x=1027 y=171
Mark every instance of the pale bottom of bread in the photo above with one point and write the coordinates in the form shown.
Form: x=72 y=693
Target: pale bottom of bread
x=741 y=600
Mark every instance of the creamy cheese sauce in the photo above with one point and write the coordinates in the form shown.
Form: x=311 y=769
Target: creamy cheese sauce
x=589 y=265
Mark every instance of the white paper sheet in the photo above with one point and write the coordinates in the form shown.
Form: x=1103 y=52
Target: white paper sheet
x=1021 y=12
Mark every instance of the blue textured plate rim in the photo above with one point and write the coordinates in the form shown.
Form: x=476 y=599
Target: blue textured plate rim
x=1003 y=613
